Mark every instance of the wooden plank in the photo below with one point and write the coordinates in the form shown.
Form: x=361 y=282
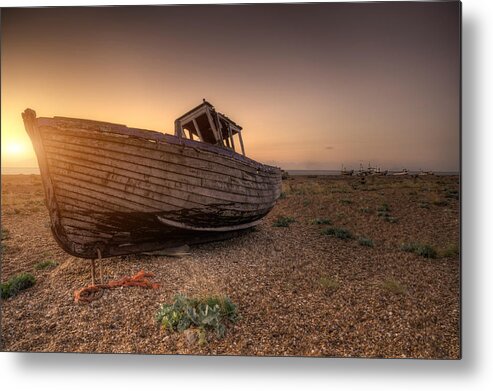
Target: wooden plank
x=176 y=154
x=170 y=192
x=105 y=127
x=163 y=188
x=241 y=143
x=106 y=195
x=191 y=115
x=231 y=137
x=216 y=131
x=73 y=226
x=32 y=128
x=152 y=174
x=88 y=216
x=140 y=198
x=159 y=138
x=101 y=196
x=72 y=198
x=197 y=129
x=114 y=150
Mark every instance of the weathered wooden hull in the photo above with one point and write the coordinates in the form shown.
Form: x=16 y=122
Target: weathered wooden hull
x=124 y=190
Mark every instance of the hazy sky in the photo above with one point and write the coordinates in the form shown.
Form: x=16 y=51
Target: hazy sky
x=314 y=86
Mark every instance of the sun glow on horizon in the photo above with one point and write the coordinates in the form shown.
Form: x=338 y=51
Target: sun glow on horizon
x=15 y=149
x=17 y=152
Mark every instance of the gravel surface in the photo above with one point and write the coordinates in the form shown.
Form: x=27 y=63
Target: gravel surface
x=299 y=292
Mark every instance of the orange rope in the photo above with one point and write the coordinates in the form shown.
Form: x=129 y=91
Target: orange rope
x=89 y=293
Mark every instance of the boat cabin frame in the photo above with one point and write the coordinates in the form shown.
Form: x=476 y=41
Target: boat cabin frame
x=209 y=126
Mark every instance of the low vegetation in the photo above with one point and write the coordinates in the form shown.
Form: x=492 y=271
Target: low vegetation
x=394 y=286
x=16 y=284
x=384 y=208
x=450 y=193
x=208 y=313
x=47 y=264
x=365 y=242
x=450 y=251
x=5 y=234
x=11 y=249
x=423 y=250
x=384 y=213
x=346 y=202
x=328 y=283
x=283 y=221
x=341 y=233
x=321 y=221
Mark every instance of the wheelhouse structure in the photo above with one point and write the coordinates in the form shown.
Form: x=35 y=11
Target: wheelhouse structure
x=209 y=126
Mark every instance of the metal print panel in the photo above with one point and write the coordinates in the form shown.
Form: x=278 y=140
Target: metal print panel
x=259 y=180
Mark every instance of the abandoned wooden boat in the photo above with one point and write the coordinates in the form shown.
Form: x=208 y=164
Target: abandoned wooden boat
x=119 y=190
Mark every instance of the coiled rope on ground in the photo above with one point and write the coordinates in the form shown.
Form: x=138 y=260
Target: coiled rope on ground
x=94 y=292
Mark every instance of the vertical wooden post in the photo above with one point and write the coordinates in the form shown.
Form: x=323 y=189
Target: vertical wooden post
x=214 y=128
x=198 y=130
x=178 y=129
x=93 y=272
x=241 y=143
x=100 y=258
x=190 y=134
x=231 y=137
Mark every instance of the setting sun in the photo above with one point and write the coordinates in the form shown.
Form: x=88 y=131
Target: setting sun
x=14 y=149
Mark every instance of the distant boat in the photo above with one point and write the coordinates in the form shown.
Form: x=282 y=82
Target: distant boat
x=120 y=190
x=346 y=172
x=401 y=173
x=424 y=173
x=373 y=171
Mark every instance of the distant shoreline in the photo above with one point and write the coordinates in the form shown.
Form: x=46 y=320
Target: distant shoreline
x=338 y=172
x=35 y=171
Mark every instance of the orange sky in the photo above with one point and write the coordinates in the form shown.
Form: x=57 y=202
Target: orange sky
x=314 y=86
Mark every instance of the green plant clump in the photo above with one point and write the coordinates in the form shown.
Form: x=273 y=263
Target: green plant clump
x=328 y=283
x=391 y=219
x=321 y=221
x=5 y=234
x=365 y=242
x=394 y=286
x=16 y=284
x=340 y=233
x=204 y=313
x=451 y=251
x=49 y=263
x=423 y=250
x=452 y=194
x=283 y=221
x=440 y=202
x=384 y=208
